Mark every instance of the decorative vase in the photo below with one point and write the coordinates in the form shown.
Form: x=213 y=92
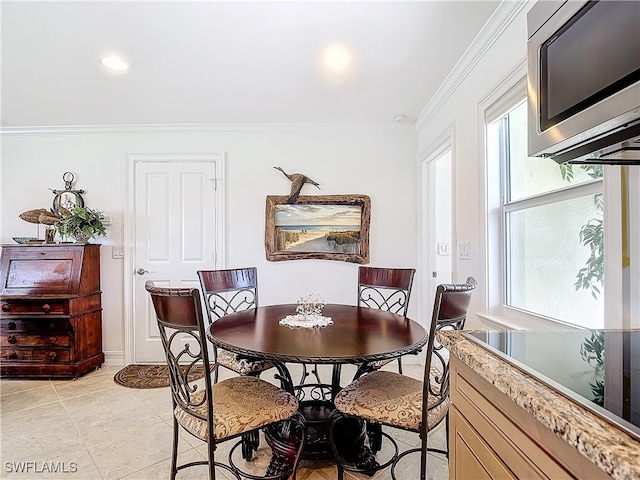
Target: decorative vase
x=81 y=237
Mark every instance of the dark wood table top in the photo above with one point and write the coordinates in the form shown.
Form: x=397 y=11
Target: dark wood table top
x=357 y=335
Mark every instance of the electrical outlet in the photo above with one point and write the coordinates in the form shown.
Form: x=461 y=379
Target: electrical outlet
x=117 y=251
x=464 y=249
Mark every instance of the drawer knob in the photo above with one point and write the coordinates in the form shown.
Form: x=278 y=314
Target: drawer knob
x=52 y=326
x=13 y=355
x=12 y=339
x=11 y=325
x=46 y=307
x=52 y=356
x=6 y=307
x=52 y=340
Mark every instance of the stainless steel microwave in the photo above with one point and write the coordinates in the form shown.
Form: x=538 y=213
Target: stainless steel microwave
x=583 y=74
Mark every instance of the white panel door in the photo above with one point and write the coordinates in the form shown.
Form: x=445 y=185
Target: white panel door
x=175 y=236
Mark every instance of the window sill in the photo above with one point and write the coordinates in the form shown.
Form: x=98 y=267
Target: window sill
x=520 y=321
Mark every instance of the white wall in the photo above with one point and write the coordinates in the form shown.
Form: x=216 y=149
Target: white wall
x=378 y=161
x=501 y=48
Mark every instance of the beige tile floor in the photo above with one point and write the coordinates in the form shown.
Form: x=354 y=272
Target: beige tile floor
x=91 y=428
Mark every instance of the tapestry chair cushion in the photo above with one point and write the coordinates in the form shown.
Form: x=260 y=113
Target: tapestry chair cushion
x=241 y=404
x=389 y=398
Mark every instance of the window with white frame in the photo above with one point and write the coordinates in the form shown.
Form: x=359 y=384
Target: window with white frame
x=550 y=245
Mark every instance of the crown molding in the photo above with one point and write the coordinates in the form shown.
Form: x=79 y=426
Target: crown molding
x=506 y=12
x=203 y=129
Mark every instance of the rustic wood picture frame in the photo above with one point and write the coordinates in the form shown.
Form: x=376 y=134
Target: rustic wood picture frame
x=318 y=227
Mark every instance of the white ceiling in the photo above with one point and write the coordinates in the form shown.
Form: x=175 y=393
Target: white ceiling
x=215 y=62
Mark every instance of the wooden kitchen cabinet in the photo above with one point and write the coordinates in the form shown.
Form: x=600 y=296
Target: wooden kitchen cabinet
x=491 y=437
x=50 y=310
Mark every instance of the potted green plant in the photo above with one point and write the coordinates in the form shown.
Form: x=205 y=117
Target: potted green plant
x=81 y=224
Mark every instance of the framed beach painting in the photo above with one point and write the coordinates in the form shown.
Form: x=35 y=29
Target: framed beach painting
x=327 y=227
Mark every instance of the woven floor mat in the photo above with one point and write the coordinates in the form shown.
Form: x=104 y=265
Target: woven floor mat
x=149 y=376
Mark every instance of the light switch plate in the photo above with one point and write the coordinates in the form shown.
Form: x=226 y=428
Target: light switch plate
x=464 y=249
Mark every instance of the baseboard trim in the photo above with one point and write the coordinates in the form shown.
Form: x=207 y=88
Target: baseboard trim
x=114 y=359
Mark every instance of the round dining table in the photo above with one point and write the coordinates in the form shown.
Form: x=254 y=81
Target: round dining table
x=358 y=335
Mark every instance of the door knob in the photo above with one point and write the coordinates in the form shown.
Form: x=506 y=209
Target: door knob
x=141 y=271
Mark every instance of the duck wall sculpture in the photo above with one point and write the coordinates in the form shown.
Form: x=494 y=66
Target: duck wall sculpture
x=297 y=182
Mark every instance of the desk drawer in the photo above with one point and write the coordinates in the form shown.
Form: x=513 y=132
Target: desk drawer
x=25 y=340
x=44 y=355
x=35 y=307
x=39 y=326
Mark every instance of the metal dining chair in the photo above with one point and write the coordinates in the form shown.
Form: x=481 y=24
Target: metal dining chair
x=386 y=289
x=214 y=412
x=225 y=292
x=395 y=400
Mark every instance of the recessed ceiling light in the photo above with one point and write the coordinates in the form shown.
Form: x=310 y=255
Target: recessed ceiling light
x=114 y=63
x=337 y=58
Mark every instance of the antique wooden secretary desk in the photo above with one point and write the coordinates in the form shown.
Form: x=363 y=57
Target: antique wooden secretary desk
x=51 y=310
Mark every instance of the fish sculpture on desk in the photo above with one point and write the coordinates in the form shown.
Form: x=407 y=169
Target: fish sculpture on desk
x=33 y=216
x=39 y=215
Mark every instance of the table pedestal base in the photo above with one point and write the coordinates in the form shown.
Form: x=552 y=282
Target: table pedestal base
x=350 y=439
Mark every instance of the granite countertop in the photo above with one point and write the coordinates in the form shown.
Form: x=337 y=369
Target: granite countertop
x=610 y=448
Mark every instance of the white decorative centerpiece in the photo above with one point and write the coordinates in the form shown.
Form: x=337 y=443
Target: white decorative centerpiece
x=310 y=305
x=309 y=313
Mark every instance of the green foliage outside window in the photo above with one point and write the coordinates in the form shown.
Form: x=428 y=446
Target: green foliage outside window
x=591 y=276
x=592 y=352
